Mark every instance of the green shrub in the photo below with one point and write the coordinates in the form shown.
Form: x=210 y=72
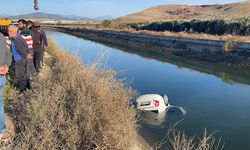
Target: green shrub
x=230 y=45
x=214 y=27
x=107 y=23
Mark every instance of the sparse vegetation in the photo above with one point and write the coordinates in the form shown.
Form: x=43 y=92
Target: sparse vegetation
x=188 y=13
x=177 y=140
x=107 y=23
x=230 y=45
x=184 y=34
x=180 y=141
x=72 y=106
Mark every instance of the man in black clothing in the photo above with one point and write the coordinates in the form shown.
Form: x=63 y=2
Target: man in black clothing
x=44 y=43
x=20 y=52
x=39 y=44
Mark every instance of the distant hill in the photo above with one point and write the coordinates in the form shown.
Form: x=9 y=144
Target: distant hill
x=42 y=15
x=4 y=15
x=74 y=17
x=185 y=12
x=107 y=17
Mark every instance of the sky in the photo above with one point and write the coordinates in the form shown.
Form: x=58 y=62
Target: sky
x=94 y=8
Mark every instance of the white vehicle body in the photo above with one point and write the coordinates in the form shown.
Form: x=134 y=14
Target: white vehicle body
x=152 y=102
x=152 y=118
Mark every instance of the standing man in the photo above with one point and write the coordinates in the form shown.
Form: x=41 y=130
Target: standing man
x=29 y=24
x=23 y=29
x=44 y=43
x=25 y=32
x=20 y=52
x=5 y=60
x=39 y=45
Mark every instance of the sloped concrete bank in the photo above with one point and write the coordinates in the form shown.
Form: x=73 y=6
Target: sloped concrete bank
x=206 y=50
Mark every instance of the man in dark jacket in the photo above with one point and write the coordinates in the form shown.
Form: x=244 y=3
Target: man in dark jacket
x=39 y=44
x=5 y=60
x=20 y=52
x=23 y=29
x=44 y=43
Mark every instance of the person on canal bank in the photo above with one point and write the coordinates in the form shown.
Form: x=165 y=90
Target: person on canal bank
x=21 y=55
x=26 y=35
x=5 y=61
x=23 y=29
x=44 y=43
x=29 y=24
x=39 y=45
x=25 y=32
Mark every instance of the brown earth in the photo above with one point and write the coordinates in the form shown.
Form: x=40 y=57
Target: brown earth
x=186 y=12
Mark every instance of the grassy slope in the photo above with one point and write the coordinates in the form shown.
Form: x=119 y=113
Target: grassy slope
x=72 y=106
x=185 y=12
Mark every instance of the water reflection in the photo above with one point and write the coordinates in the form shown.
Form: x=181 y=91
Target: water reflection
x=159 y=119
x=227 y=74
x=154 y=118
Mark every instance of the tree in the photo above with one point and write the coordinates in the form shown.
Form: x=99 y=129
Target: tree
x=107 y=23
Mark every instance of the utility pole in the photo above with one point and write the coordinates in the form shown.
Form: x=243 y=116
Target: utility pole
x=36 y=7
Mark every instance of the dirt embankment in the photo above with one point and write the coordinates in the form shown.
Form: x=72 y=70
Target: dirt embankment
x=72 y=106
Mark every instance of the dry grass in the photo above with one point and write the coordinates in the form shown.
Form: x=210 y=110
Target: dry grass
x=74 y=107
x=199 y=36
x=177 y=140
x=230 y=45
x=180 y=141
x=177 y=34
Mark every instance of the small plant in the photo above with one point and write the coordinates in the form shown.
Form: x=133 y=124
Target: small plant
x=107 y=23
x=230 y=45
x=98 y=26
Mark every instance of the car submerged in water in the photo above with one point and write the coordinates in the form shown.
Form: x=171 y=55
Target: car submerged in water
x=152 y=102
x=155 y=108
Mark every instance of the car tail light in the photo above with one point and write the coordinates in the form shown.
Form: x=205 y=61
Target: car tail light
x=156 y=103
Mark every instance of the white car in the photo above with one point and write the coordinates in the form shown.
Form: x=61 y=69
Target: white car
x=152 y=102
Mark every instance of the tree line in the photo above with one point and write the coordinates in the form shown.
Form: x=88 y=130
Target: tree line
x=214 y=27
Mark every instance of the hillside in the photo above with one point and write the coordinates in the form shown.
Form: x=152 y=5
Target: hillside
x=106 y=17
x=186 y=12
x=42 y=15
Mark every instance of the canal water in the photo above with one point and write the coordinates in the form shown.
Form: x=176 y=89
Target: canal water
x=218 y=101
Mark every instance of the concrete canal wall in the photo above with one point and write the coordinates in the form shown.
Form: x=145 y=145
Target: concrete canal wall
x=207 y=50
